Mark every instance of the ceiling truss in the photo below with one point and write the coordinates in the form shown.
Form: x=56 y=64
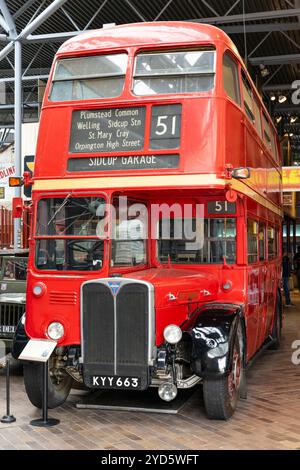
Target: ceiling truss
x=285 y=20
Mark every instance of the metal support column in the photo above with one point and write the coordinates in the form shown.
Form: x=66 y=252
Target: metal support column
x=18 y=132
x=294 y=237
x=288 y=234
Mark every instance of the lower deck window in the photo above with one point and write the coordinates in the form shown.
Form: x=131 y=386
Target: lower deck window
x=129 y=242
x=252 y=240
x=206 y=241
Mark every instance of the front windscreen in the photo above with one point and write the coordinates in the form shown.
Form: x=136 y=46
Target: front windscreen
x=85 y=78
x=62 y=228
x=174 y=72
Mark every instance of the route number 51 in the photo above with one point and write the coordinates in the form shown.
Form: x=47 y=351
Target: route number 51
x=162 y=125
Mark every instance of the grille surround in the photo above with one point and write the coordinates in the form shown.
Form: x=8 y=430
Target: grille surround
x=130 y=297
x=10 y=314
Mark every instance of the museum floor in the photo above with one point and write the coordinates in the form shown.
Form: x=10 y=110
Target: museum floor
x=268 y=419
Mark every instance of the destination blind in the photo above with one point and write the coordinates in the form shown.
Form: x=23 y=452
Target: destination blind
x=107 y=130
x=128 y=162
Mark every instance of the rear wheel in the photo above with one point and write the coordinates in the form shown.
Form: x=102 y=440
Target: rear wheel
x=221 y=394
x=59 y=384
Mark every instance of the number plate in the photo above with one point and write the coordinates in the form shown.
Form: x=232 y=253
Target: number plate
x=109 y=381
x=7 y=328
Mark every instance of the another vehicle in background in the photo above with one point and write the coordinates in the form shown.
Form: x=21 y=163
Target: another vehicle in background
x=13 y=271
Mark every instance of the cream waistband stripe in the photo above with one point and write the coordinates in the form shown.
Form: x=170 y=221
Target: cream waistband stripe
x=127 y=181
x=149 y=181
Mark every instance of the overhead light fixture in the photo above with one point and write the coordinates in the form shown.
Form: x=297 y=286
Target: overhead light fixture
x=291 y=134
x=282 y=98
x=263 y=70
x=278 y=119
x=293 y=119
x=273 y=97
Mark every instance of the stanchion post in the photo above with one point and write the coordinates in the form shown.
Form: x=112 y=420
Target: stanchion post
x=8 y=418
x=45 y=391
x=45 y=421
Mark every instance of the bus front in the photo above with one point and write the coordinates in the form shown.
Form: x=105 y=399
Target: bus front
x=132 y=233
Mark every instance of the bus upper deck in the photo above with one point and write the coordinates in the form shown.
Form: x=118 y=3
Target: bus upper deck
x=131 y=101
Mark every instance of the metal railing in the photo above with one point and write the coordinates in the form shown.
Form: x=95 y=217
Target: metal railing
x=7 y=228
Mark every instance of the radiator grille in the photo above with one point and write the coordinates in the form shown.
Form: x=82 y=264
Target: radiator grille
x=132 y=325
x=115 y=330
x=10 y=314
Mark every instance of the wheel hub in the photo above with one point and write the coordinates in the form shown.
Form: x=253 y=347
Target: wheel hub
x=235 y=375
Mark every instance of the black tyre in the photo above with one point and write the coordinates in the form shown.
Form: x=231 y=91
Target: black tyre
x=277 y=327
x=58 y=386
x=221 y=394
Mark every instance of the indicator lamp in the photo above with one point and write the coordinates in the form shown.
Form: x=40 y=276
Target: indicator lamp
x=39 y=289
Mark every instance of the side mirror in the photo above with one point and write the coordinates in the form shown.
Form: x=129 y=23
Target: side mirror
x=28 y=171
x=241 y=173
x=17 y=207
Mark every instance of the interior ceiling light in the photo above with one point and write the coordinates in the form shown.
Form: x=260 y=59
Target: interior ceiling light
x=282 y=98
x=273 y=97
x=263 y=70
x=293 y=119
x=291 y=134
x=278 y=119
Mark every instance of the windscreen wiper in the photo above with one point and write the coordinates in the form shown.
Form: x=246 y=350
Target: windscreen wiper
x=59 y=208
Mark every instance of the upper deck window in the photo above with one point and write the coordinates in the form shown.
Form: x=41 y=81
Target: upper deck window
x=251 y=104
x=269 y=137
x=174 y=72
x=86 y=78
x=231 y=78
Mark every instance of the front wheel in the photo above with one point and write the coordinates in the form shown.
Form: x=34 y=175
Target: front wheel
x=221 y=394
x=59 y=385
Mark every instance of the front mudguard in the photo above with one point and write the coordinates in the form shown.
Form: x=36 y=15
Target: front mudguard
x=213 y=334
x=20 y=339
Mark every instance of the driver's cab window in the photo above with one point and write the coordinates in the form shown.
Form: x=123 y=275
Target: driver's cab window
x=69 y=233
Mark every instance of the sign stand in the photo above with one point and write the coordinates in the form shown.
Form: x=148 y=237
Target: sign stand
x=8 y=418
x=40 y=350
x=45 y=421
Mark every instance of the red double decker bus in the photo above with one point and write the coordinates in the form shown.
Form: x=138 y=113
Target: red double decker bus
x=155 y=245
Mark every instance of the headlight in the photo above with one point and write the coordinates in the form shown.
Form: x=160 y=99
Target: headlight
x=39 y=289
x=55 y=330
x=172 y=334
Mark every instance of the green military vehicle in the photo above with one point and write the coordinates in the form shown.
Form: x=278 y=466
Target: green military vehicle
x=13 y=270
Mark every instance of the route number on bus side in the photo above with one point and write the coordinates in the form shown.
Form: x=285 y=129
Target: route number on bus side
x=221 y=207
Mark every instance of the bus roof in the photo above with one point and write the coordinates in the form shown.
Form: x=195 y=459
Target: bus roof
x=145 y=34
